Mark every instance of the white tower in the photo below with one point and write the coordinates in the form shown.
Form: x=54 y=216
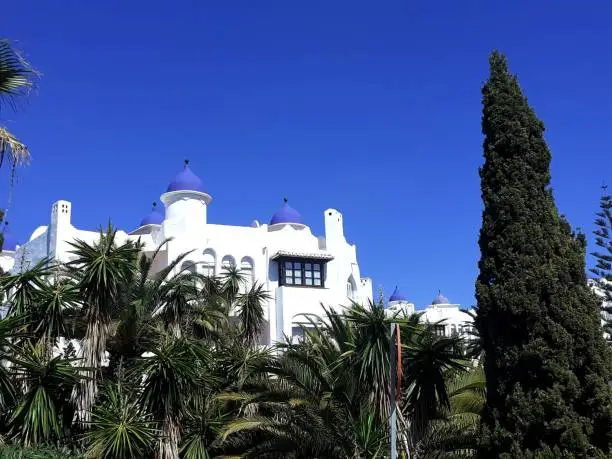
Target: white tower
x=334 y=230
x=186 y=204
x=60 y=229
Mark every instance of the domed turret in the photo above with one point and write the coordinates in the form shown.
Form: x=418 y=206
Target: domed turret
x=186 y=181
x=398 y=303
x=154 y=218
x=440 y=299
x=10 y=243
x=396 y=296
x=186 y=204
x=286 y=215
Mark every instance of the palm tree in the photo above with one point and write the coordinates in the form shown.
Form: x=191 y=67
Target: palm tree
x=101 y=270
x=232 y=282
x=41 y=298
x=427 y=359
x=22 y=290
x=119 y=429
x=43 y=411
x=178 y=300
x=16 y=80
x=329 y=394
x=250 y=313
x=173 y=373
x=203 y=420
x=454 y=434
x=48 y=319
x=134 y=317
x=9 y=333
x=316 y=401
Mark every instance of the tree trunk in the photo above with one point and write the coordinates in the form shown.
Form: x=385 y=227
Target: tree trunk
x=175 y=329
x=92 y=351
x=169 y=441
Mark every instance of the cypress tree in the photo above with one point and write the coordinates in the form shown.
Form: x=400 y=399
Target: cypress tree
x=603 y=257
x=546 y=361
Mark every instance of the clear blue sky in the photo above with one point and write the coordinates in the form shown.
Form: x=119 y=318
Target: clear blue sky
x=372 y=108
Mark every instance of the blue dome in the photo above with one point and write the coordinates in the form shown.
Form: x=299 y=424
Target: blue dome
x=154 y=218
x=286 y=214
x=186 y=181
x=10 y=243
x=397 y=296
x=440 y=299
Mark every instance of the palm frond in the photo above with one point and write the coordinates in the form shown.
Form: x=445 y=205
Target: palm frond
x=41 y=413
x=9 y=145
x=16 y=74
x=16 y=80
x=119 y=428
x=251 y=312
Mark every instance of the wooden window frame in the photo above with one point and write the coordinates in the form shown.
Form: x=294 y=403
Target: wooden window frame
x=303 y=261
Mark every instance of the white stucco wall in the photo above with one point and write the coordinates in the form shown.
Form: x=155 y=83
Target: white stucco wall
x=453 y=319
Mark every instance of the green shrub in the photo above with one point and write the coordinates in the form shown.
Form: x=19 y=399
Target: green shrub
x=37 y=452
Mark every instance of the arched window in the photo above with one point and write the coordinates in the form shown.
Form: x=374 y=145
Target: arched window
x=227 y=262
x=188 y=266
x=209 y=261
x=351 y=288
x=246 y=269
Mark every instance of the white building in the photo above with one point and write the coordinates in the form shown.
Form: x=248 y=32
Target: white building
x=596 y=286
x=298 y=269
x=448 y=319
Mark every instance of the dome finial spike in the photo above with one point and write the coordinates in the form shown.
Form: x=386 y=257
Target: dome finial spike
x=154 y=205
x=186 y=162
x=285 y=200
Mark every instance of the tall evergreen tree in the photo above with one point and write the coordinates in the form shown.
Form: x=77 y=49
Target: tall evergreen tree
x=603 y=257
x=546 y=362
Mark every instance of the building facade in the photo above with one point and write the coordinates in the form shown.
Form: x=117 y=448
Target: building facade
x=448 y=319
x=298 y=269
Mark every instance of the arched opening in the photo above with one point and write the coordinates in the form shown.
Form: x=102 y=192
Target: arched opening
x=300 y=325
x=188 y=267
x=351 y=288
x=247 y=271
x=227 y=263
x=209 y=261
